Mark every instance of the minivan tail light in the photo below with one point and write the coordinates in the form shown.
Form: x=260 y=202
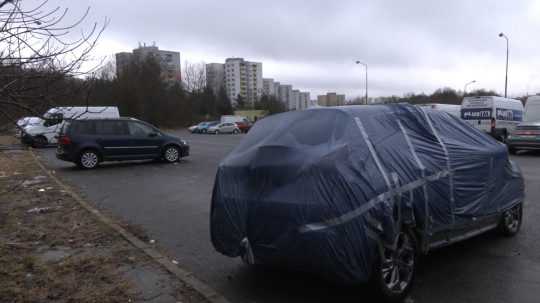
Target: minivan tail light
x=64 y=140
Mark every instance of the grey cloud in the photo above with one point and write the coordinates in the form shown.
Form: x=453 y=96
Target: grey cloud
x=394 y=36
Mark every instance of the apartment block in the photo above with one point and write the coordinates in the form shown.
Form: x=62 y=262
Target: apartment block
x=168 y=60
x=304 y=101
x=215 y=76
x=295 y=100
x=331 y=99
x=285 y=94
x=243 y=78
x=269 y=87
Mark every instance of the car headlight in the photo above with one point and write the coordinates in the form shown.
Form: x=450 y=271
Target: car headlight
x=184 y=142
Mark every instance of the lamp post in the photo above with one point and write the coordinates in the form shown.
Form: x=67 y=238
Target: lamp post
x=465 y=87
x=502 y=35
x=366 y=66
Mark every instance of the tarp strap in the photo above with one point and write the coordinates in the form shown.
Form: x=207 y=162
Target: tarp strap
x=372 y=151
x=372 y=203
x=248 y=255
x=448 y=164
x=423 y=174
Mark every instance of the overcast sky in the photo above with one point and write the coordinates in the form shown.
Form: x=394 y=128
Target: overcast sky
x=410 y=46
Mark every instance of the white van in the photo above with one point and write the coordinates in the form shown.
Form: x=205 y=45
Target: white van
x=45 y=132
x=496 y=116
x=232 y=119
x=532 y=109
x=452 y=109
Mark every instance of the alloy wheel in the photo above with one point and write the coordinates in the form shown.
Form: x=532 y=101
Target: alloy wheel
x=89 y=159
x=512 y=218
x=397 y=268
x=171 y=154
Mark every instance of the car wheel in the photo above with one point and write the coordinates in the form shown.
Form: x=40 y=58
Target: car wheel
x=396 y=268
x=88 y=159
x=40 y=142
x=216 y=132
x=236 y=132
x=511 y=221
x=171 y=154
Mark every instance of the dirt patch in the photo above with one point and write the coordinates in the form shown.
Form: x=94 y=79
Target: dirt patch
x=53 y=250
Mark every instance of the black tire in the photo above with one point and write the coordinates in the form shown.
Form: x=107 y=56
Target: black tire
x=511 y=221
x=39 y=141
x=388 y=272
x=171 y=154
x=236 y=132
x=88 y=159
x=512 y=150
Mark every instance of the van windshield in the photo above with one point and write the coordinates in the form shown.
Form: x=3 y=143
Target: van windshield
x=532 y=113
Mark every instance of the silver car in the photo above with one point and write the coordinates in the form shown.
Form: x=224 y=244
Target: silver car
x=526 y=136
x=224 y=128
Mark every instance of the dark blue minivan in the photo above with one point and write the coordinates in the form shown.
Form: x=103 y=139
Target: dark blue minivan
x=89 y=142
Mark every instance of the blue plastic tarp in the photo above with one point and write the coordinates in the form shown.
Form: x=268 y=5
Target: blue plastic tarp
x=320 y=190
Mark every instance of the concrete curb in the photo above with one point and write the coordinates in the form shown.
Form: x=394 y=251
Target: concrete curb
x=183 y=275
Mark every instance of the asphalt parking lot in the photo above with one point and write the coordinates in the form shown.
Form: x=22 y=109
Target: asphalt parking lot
x=171 y=203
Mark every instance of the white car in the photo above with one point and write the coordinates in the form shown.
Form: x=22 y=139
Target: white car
x=45 y=132
x=27 y=121
x=224 y=128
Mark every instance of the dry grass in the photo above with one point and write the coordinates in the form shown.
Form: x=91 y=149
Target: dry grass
x=88 y=272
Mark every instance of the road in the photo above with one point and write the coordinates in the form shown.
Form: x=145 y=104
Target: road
x=171 y=203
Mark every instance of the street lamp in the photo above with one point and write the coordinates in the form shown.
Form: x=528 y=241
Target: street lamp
x=502 y=35
x=465 y=87
x=365 y=65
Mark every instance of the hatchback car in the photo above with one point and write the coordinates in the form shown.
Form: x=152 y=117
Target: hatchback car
x=224 y=128
x=526 y=136
x=89 y=142
x=356 y=193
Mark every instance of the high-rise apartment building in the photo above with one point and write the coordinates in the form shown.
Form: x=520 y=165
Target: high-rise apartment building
x=331 y=99
x=304 y=101
x=169 y=61
x=215 y=76
x=285 y=94
x=269 y=87
x=243 y=78
x=295 y=100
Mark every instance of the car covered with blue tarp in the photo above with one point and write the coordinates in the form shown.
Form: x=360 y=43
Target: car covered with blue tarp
x=356 y=193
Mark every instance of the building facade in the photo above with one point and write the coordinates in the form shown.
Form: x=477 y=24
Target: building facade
x=305 y=101
x=269 y=87
x=244 y=79
x=331 y=99
x=215 y=76
x=285 y=94
x=169 y=61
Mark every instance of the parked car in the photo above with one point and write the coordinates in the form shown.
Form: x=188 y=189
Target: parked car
x=202 y=128
x=89 y=142
x=525 y=137
x=232 y=118
x=496 y=116
x=40 y=135
x=224 y=128
x=244 y=126
x=26 y=121
x=356 y=193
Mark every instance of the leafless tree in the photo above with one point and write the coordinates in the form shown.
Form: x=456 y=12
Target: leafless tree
x=39 y=53
x=194 y=76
